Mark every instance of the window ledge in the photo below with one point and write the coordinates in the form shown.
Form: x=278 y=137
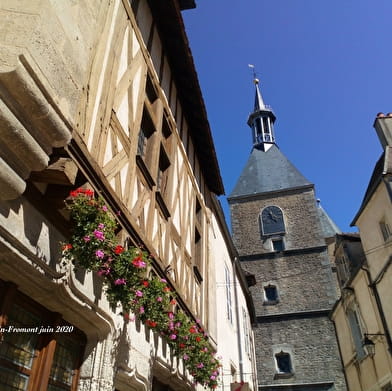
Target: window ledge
x=162 y=204
x=270 y=302
x=279 y=375
x=143 y=168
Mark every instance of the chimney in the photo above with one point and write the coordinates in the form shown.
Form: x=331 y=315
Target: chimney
x=383 y=126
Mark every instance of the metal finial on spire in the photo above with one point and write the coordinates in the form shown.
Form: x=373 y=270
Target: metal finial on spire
x=259 y=103
x=255 y=79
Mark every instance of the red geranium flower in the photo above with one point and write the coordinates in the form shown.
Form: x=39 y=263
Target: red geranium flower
x=118 y=249
x=89 y=192
x=67 y=247
x=198 y=339
x=192 y=330
x=145 y=283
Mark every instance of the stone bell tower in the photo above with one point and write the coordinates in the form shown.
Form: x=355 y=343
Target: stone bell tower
x=279 y=231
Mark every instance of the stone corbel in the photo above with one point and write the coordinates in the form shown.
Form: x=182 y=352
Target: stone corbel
x=31 y=125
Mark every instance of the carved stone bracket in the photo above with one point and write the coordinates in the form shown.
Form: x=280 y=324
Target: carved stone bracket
x=31 y=125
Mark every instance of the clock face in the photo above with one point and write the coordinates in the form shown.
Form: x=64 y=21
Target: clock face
x=272 y=220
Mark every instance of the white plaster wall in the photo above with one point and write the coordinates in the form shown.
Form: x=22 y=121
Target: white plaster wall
x=227 y=332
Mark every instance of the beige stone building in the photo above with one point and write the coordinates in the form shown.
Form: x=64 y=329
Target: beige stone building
x=363 y=314
x=103 y=94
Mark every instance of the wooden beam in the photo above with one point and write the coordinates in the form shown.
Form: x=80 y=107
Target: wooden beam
x=62 y=171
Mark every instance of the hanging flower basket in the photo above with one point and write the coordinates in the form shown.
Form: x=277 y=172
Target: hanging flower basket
x=124 y=270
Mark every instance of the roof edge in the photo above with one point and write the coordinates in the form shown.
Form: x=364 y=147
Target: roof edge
x=268 y=193
x=170 y=24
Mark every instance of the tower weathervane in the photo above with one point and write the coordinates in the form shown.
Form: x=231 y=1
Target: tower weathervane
x=255 y=79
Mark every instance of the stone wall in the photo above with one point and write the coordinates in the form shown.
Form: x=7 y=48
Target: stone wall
x=297 y=322
x=302 y=281
x=303 y=228
x=313 y=348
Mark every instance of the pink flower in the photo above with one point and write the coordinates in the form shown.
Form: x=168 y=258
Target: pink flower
x=159 y=298
x=185 y=357
x=163 y=280
x=87 y=238
x=138 y=262
x=212 y=377
x=105 y=208
x=200 y=365
x=101 y=226
x=103 y=272
x=170 y=315
x=99 y=254
x=141 y=310
x=120 y=281
x=173 y=336
x=129 y=317
x=139 y=293
x=99 y=235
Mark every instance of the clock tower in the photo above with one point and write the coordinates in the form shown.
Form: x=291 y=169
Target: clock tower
x=280 y=231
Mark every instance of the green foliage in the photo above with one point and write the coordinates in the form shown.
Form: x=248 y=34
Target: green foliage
x=93 y=247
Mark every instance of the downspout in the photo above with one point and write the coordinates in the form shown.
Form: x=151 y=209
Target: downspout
x=373 y=287
x=237 y=315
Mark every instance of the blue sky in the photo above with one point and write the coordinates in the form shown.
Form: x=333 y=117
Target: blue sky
x=324 y=67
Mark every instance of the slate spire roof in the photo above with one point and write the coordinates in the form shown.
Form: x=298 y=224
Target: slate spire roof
x=267 y=171
x=328 y=226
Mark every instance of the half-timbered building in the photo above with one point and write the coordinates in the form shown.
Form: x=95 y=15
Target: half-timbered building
x=103 y=95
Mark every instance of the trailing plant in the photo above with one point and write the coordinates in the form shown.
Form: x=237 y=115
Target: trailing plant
x=124 y=270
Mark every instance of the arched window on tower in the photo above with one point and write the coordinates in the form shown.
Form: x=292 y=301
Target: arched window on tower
x=258 y=138
x=284 y=367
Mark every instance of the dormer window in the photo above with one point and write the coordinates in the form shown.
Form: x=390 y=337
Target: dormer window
x=272 y=222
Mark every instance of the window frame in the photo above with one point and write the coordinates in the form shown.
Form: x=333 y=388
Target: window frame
x=279 y=372
x=44 y=348
x=266 y=300
x=356 y=331
x=229 y=303
x=386 y=231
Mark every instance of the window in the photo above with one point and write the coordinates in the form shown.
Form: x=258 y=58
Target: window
x=277 y=244
x=270 y=294
x=163 y=166
x=146 y=130
x=272 y=222
x=245 y=327
x=26 y=356
x=284 y=367
x=356 y=332
x=385 y=230
x=228 y=295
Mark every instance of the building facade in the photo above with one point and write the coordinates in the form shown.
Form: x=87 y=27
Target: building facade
x=103 y=96
x=280 y=233
x=363 y=313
